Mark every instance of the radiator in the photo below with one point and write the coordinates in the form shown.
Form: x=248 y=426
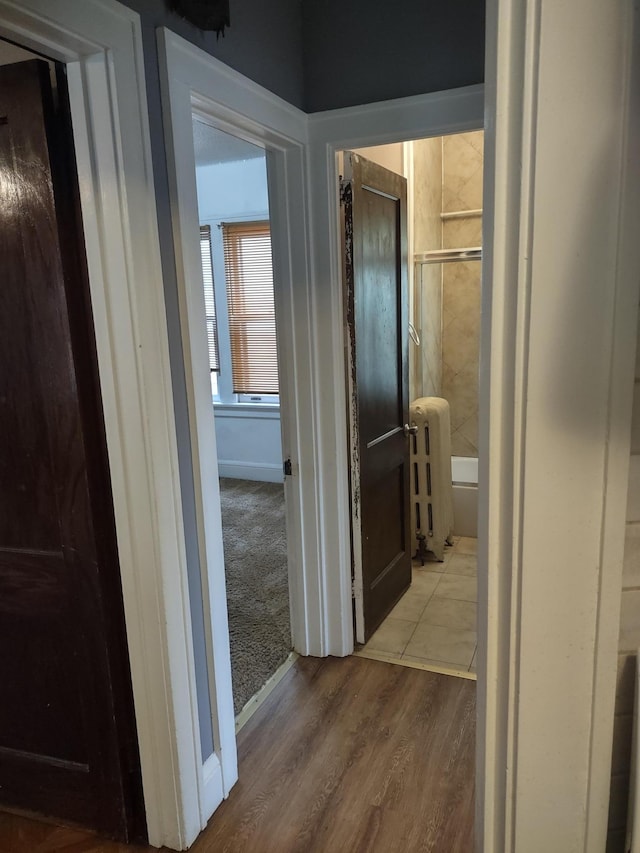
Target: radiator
x=431 y=484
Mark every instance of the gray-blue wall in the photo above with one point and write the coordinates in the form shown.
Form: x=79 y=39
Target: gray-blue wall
x=361 y=51
x=324 y=54
x=264 y=41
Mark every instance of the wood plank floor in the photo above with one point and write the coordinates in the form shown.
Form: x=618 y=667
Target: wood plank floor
x=346 y=755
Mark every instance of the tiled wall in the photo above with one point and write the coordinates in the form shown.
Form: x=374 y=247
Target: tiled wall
x=462 y=159
x=426 y=379
x=629 y=640
x=429 y=279
x=447 y=174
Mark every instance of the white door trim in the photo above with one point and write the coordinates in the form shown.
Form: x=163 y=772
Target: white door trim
x=514 y=652
x=329 y=132
x=101 y=43
x=193 y=81
x=558 y=342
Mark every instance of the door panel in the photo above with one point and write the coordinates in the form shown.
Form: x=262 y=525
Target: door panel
x=67 y=737
x=379 y=382
x=377 y=310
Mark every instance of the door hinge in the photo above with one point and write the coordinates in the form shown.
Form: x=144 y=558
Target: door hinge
x=286 y=467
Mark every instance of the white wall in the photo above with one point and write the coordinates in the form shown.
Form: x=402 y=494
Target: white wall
x=629 y=641
x=560 y=261
x=249 y=445
x=630 y=614
x=248 y=437
x=232 y=190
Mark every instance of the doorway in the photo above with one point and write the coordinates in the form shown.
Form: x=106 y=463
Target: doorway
x=69 y=745
x=433 y=624
x=239 y=311
x=301 y=157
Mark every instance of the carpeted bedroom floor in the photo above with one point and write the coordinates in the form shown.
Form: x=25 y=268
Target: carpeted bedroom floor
x=255 y=557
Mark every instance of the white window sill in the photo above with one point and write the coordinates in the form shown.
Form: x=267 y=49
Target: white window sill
x=246 y=410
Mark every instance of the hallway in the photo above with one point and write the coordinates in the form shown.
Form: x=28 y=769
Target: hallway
x=353 y=754
x=346 y=754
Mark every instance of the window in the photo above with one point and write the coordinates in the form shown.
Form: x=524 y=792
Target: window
x=250 y=305
x=209 y=298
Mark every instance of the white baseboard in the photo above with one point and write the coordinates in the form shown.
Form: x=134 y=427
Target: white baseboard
x=265 y=691
x=264 y=472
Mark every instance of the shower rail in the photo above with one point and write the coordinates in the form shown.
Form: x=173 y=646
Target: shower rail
x=447 y=256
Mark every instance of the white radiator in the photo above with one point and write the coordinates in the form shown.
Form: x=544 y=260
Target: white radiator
x=431 y=483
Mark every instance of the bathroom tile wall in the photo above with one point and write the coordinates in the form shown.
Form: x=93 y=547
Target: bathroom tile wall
x=426 y=375
x=629 y=640
x=430 y=352
x=462 y=158
x=462 y=164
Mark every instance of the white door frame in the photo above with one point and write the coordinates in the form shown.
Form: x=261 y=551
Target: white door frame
x=558 y=342
x=453 y=111
x=522 y=450
x=193 y=81
x=101 y=43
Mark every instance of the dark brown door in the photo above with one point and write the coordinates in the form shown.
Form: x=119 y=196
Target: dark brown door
x=375 y=211
x=67 y=738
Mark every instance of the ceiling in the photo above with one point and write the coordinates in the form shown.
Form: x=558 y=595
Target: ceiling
x=214 y=146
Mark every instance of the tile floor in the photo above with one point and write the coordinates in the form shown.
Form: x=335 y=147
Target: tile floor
x=434 y=623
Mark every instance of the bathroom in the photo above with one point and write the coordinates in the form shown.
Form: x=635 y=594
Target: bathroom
x=447 y=215
x=434 y=624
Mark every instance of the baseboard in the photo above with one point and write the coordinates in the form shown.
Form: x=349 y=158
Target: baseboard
x=265 y=691
x=264 y=472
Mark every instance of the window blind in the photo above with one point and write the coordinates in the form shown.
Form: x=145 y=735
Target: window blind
x=209 y=298
x=250 y=303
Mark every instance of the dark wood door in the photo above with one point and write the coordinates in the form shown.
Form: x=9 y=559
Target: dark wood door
x=67 y=736
x=375 y=212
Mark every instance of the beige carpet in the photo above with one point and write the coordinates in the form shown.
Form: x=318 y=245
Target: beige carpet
x=255 y=556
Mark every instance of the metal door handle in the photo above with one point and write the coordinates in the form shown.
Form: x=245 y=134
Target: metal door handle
x=410 y=430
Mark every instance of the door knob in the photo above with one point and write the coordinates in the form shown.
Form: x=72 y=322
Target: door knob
x=410 y=430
